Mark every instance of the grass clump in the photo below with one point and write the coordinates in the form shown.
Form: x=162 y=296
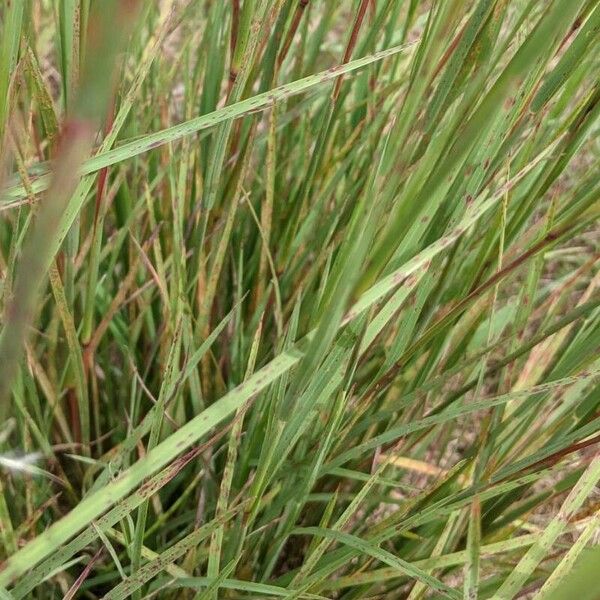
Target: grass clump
x=300 y=298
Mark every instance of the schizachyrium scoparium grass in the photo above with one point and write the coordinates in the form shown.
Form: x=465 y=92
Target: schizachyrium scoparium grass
x=300 y=299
